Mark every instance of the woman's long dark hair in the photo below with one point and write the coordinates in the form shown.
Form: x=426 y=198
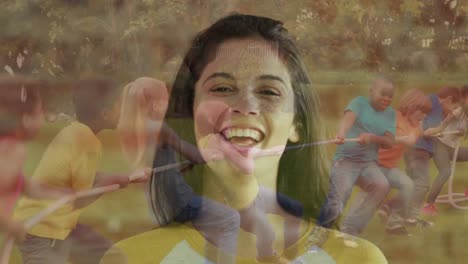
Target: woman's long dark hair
x=302 y=170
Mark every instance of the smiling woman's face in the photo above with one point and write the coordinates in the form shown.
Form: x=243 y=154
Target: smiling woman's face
x=244 y=103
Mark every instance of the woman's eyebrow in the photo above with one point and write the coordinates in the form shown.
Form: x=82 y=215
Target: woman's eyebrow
x=220 y=74
x=271 y=77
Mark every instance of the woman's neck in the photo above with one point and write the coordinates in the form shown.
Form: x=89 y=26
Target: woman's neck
x=239 y=191
x=236 y=189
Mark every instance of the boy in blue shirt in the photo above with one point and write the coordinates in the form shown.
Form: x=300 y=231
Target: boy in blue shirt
x=372 y=120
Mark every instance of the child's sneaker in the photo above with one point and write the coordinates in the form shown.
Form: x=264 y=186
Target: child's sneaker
x=429 y=209
x=419 y=223
x=384 y=212
x=398 y=230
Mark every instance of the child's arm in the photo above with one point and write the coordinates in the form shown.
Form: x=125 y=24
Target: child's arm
x=11 y=227
x=433 y=131
x=411 y=139
x=346 y=123
x=408 y=141
x=103 y=179
x=451 y=116
x=106 y=179
x=12 y=164
x=36 y=190
x=386 y=141
x=187 y=150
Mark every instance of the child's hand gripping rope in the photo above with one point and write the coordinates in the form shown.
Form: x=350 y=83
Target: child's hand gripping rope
x=443 y=133
x=138 y=176
x=145 y=174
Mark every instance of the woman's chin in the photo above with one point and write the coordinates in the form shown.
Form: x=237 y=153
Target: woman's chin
x=228 y=169
x=230 y=185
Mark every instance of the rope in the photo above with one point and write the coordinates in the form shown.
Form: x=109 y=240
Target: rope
x=5 y=254
x=451 y=197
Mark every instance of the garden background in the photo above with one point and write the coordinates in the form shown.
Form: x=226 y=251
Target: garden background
x=419 y=43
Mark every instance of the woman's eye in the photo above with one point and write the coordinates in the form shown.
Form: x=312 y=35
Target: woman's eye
x=221 y=90
x=269 y=92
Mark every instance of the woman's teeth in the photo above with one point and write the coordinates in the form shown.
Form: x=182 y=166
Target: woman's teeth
x=242 y=136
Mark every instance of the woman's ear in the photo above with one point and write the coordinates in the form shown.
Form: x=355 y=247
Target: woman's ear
x=294 y=135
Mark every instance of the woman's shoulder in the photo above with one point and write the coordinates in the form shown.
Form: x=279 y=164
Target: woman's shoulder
x=151 y=246
x=180 y=241
x=344 y=248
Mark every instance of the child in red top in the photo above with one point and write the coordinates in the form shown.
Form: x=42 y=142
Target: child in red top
x=20 y=119
x=414 y=106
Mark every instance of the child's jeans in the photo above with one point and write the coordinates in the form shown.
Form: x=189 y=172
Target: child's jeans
x=443 y=156
x=401 y=203
x=344 y=175
x=83 y=245
x=417 y=168
x=218 y=223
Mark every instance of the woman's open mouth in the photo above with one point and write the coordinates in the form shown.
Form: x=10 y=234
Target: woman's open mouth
x=239 y=145
x=242 y=137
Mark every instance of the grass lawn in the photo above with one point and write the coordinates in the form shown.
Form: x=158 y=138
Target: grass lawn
x=124 y=213
x=443 y=243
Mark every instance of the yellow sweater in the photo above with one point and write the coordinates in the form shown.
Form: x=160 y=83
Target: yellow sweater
x=69 y=162
x=183 y=244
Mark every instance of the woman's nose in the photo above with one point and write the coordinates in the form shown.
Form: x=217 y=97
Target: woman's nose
x=246 y=105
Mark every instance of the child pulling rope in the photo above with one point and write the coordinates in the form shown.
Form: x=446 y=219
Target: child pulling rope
x=448 y=198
